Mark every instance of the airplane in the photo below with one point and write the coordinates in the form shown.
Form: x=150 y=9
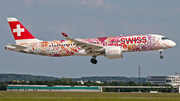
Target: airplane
x=110 y=47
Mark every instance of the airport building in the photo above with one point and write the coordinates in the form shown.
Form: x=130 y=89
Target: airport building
x=163 y=80
x=54 y=88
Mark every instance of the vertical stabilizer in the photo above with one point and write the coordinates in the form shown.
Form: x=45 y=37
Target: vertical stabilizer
x=20 y=33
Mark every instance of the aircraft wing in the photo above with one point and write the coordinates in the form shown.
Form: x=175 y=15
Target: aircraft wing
x=17 y=46
x=84 y=45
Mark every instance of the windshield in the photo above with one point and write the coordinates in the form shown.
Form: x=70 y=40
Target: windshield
x=165 y=38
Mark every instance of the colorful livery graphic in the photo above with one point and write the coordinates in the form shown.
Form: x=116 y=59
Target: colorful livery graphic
x=110 y=47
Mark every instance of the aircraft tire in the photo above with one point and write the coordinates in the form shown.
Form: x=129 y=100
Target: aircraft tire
x=93 y=61
x=161 y=57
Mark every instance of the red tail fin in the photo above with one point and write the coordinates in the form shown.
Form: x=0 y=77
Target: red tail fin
x=20 y=33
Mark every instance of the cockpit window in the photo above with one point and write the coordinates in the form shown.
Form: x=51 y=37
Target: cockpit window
x=165 y=38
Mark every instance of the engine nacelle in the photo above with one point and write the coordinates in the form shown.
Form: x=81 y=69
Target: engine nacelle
x=113 y=52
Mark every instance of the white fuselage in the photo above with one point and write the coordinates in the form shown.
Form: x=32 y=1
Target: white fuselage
x=134 y=43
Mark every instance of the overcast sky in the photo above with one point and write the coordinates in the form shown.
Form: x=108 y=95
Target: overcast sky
x=45 y=19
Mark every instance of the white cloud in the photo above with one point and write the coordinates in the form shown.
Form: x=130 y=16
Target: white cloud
x=44 y=1
x=93 y=3
x=62 y=28
x=73 y=3
x=29 y=27
x=155 y=9
x=98 y=29
x=129 y=26
x=101 y=32
x=28 y=3
x=149 y=28
x=66 y=28
x=119 y=8
x=177 y=9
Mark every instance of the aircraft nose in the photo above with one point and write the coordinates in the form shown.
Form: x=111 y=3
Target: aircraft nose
x=173 y=44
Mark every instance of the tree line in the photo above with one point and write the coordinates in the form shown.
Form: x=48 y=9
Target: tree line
x=21 y=77
x=70 y=82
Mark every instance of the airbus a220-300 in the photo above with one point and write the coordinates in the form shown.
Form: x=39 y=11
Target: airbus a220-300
x=110 y=47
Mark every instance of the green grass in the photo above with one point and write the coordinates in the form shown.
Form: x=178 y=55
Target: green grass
x=85 y=96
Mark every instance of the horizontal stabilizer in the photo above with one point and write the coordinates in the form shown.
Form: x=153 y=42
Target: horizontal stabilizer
x=17 y=46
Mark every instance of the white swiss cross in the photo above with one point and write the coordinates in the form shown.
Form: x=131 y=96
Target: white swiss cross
x=18 y=30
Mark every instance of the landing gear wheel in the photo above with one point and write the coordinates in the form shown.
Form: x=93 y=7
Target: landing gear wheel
x=94 y=61
x=161 y=57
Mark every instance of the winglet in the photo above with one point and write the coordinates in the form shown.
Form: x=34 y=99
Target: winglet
x=64 y=34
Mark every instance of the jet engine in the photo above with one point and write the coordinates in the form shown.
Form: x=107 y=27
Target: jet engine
x=113 y=52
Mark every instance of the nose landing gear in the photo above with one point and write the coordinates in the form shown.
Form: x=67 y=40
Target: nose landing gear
x=93 y=60
x=161 y=56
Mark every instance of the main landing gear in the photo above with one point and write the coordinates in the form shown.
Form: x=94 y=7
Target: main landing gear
x=93 y=60
x=161 y=56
